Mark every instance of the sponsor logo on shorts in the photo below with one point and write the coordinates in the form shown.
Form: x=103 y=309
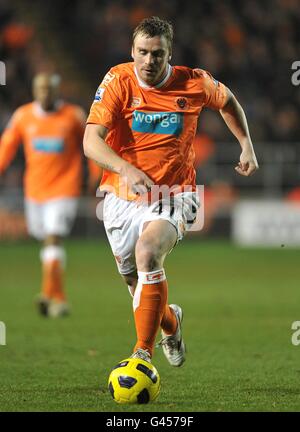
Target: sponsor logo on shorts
x=163 y=123
x=119 y=259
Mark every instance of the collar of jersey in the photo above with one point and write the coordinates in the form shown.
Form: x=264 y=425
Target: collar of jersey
x=42 y=113
x=159 y=85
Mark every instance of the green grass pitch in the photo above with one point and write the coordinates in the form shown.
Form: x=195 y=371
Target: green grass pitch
x=238 y=304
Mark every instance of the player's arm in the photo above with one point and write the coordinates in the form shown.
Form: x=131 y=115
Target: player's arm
x=235 y=118
x=95 y=148
x=10 y=141
x=94 y=170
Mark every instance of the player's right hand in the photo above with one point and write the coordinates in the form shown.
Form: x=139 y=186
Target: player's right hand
x=248 y=163
x=138 y=182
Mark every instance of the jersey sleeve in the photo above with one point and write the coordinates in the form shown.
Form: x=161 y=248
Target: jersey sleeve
x=107 y=104
x=214 y=92
x=10 y=140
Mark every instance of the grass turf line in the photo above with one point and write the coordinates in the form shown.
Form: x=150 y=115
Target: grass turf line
x=238 y=304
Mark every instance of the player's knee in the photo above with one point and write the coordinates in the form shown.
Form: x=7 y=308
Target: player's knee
x=147 y=255
x=131 y=282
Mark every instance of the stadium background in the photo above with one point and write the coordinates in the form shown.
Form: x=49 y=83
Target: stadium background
x=248 y=45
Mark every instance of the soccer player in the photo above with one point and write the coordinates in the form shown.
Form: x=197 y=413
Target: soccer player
x=51 y=132
x=140 y=130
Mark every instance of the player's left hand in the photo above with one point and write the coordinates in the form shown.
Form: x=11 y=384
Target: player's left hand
x=248 y=163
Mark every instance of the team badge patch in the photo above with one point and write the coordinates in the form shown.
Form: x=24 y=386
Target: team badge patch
x=181 y=103
x=135 y=102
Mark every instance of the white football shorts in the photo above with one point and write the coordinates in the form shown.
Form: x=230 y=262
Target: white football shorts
x=124 y=222
x=53 y=217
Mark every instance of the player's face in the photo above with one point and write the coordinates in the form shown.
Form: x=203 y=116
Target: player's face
x=151 y=56
x=45 y=92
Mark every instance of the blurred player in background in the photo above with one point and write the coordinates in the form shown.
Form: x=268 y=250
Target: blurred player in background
x=140 y=130
x=51 y=132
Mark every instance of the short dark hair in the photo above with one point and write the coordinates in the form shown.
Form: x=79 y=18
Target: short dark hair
x=154 y=26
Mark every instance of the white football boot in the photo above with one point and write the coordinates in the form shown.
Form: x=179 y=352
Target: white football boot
x=173 y=345
x=60 y=309
x=142 y=354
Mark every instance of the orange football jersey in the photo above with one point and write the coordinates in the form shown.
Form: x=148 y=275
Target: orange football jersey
x=153 y=128
x=52 y=146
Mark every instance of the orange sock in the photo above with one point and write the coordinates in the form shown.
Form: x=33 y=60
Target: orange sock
x=149 y=304
x=169 y=321
x=52 y=283
x=52 y=280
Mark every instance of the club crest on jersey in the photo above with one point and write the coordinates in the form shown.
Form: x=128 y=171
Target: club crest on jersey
x=99 y=94
x=181 y=103
x=163 y=123
x=135 y=102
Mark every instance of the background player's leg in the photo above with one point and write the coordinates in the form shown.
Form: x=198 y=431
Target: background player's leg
x=35 y=218
x=151 y=294
x=53 y=262
x=58 y=216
